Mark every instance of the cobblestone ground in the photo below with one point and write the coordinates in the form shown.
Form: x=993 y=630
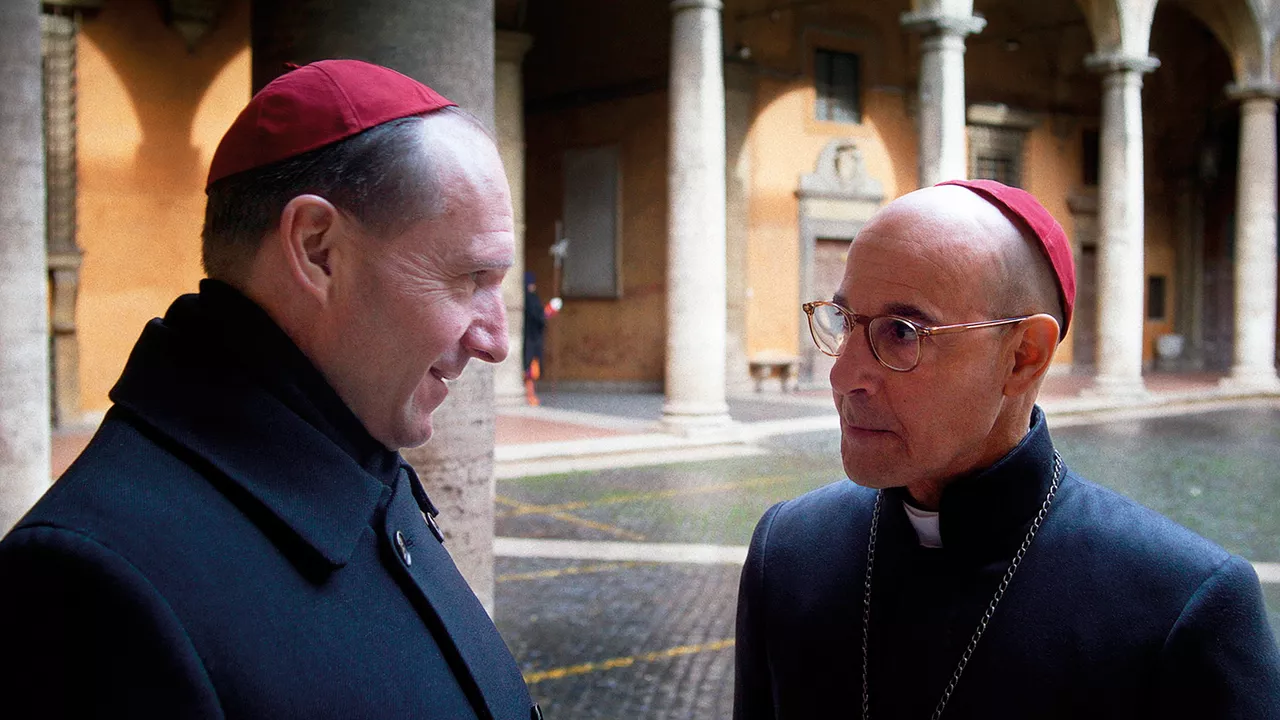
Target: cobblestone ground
x=654 y=640
x=622 y=640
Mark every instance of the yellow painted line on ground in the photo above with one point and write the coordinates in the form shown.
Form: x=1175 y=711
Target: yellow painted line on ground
x=528 y=509
x=577 y=570
x=593 y=667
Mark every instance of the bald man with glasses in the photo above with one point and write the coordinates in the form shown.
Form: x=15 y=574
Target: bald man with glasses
x=966 y=572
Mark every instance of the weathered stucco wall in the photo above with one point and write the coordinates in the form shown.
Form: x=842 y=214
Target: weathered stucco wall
x=150 y=115
x=786 y=143
x=786 y=139
x=605 y=340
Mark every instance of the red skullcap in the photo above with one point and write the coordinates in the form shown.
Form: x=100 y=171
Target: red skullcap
x=315 y=105
x=1023 y=205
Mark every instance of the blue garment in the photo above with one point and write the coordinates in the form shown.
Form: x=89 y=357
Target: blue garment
x=233 y=543
x=1116 y=612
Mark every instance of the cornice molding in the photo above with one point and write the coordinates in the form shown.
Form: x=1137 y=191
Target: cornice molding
x=678 y=5
x=939 y=24
x=1119 y=62
x=1254 y=91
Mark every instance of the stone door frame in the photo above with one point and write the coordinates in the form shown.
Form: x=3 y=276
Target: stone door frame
x=835 y=201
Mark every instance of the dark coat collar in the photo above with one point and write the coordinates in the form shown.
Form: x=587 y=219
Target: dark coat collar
x=220 y=378
x=987 y=514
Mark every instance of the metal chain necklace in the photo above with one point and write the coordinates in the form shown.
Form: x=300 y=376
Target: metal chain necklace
x=986 y=617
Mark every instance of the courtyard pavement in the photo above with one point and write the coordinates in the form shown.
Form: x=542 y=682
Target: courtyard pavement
x=619 y=555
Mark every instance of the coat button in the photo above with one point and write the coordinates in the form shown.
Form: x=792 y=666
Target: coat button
x=404 y=550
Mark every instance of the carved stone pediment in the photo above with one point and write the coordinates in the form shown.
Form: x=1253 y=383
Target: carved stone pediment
x=835 y=201
x=841 y=175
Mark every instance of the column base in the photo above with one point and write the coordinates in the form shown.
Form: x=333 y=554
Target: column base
x=1248 y=379
x=696 y=418
x=1123 y=388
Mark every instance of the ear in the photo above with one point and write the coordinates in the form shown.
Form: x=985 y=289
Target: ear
x=311 y=228
x=1036 y=338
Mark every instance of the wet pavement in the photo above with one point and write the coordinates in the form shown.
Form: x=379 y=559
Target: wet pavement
x=638 y=638
x=622 y=640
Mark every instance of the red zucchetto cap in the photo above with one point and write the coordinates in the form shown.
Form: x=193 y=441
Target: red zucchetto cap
x=315 y=105
x=1023 y=205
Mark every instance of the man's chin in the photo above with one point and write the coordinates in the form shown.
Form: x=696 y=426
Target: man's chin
x=872 y=483
x=415 y=432
x=421 y=437
x=867 y=475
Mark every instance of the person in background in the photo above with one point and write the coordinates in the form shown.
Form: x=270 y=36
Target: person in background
x=535 y=325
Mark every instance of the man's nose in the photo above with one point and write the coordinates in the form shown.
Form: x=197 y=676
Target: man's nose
x=486 y=339
x=856 y=368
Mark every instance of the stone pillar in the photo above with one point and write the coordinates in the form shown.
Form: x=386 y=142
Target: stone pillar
x=1254 y=362
x=739 y=104
x=449 y=45
x=1121 y=274
x=508 y=117
x=24 y=319
x=696 y=314
x=942 y=121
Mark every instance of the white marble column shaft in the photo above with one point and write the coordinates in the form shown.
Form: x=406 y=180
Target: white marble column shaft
x=696 y=316
x=1254 y=352
x=1121 y=274
x=508 y=117
x=24 y=310
x=941 y=94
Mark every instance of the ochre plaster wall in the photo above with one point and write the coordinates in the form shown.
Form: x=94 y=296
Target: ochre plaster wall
x=151 y=113
x=1161 y=259
x=594 y=340
x=1047 y=81
x=786 y=141
x=149 y=117
x=1053 y=170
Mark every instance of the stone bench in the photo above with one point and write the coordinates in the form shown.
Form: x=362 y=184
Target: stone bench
x=767 y=365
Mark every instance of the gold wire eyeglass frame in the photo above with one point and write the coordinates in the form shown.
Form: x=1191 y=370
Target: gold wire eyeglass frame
x=922 y=331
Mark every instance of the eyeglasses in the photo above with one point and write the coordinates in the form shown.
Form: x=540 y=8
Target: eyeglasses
x=895 y=341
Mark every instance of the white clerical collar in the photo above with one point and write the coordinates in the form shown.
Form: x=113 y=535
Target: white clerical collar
x=928 y=528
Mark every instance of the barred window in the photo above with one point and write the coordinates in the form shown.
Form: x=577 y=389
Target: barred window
x=838 y=84
x=1001 y=169
x=995 y=153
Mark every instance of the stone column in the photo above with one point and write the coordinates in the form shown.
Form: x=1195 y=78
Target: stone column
x=24 y=318
x=1121 y=273
x=508 y=117
x=942 y=122
x=696 y=315
x=449 y=45
x=739 y=104
x=1254 y=350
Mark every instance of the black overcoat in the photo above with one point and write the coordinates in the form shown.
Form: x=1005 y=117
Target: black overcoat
x=233 y=544
x=1116 y=612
